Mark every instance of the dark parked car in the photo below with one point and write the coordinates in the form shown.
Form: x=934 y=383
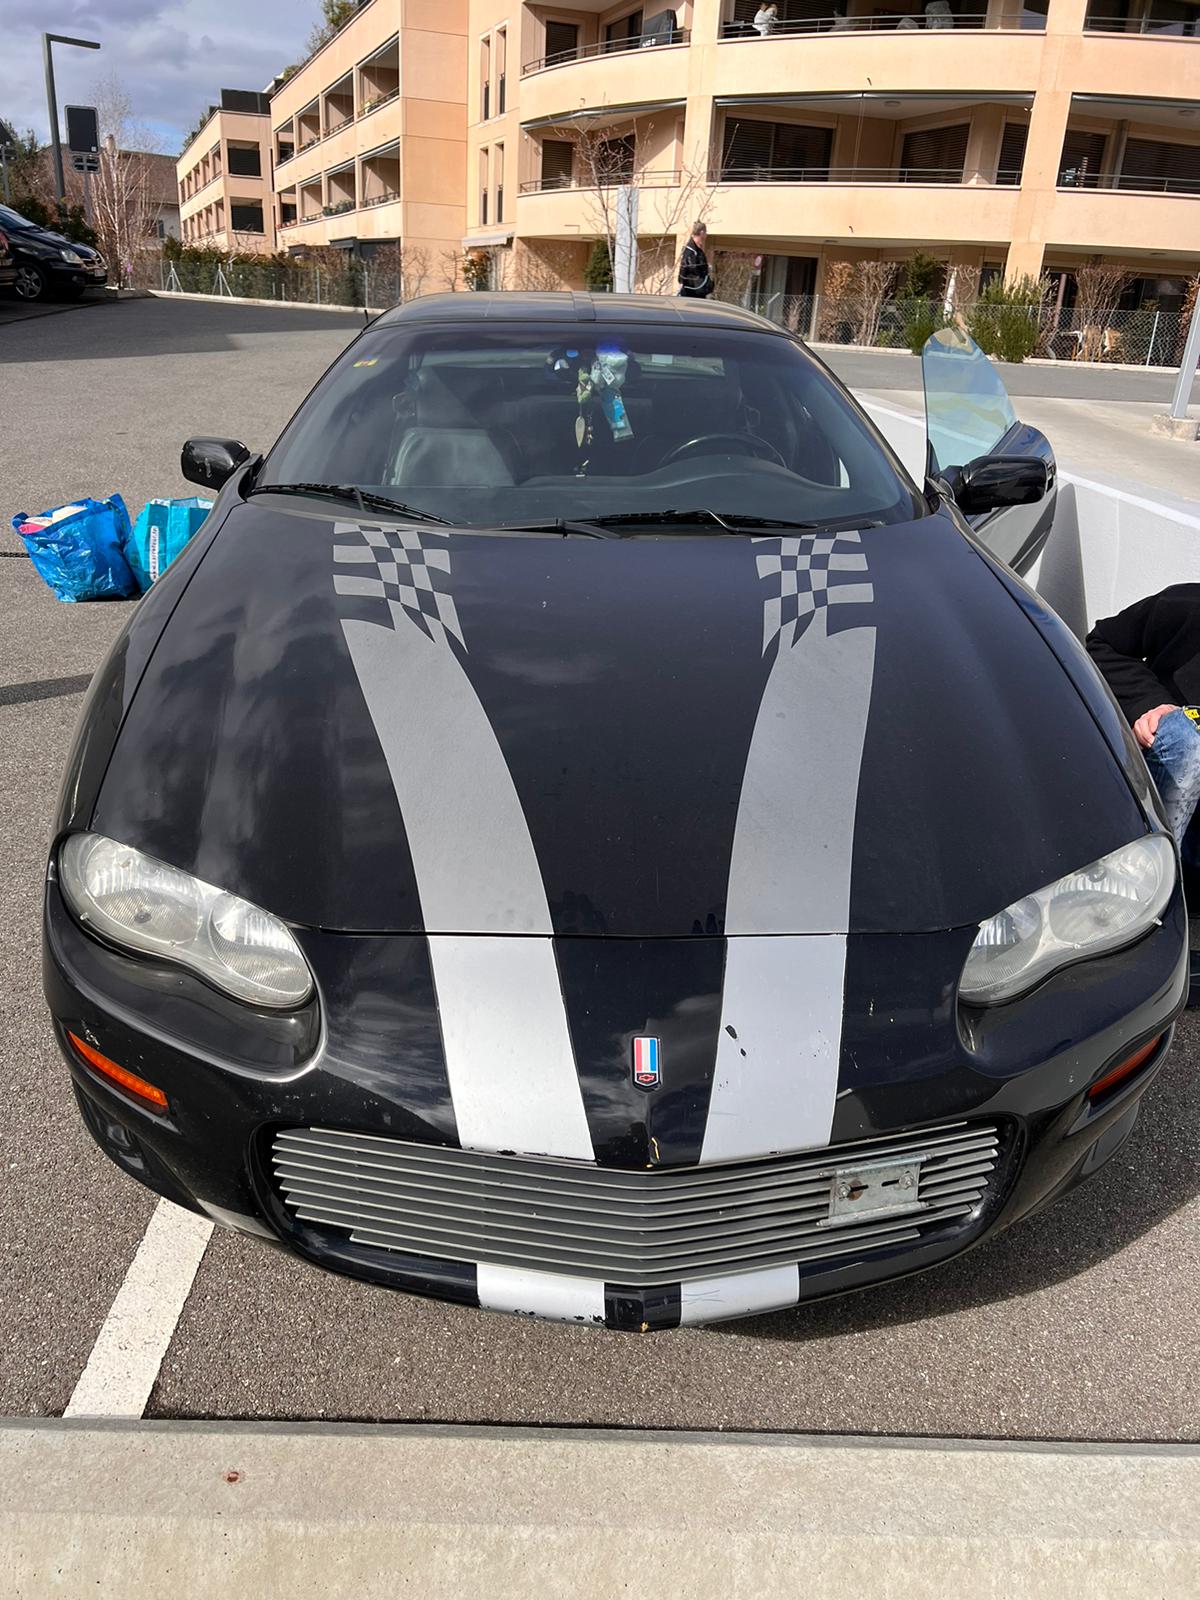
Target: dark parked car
x=8 y=271
x=581 y=832
x=49 y=265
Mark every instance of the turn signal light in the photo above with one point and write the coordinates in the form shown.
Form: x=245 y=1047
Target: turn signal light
x=1123 y=1070
x=148 y=1093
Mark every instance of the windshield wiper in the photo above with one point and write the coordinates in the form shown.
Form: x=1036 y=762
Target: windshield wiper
x=363 y=498
x=591 y=529
x=727 y=521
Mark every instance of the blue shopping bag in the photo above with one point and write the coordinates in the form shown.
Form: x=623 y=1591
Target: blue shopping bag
x=79 y=549
x=160 y=533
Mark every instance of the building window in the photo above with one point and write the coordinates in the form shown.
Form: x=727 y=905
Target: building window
x=624 y=33
x=558 y=157
x=483 y=188
x=245 y=161
x=498 y=159
x=246 y=216
x=501 y=70
x=935 y=155
x=562 y=41
x=1153 y=164
x=1082 y=159
x=784 y=151
x=485 y=79
x=1012 y=153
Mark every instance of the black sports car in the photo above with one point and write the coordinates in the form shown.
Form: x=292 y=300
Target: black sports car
x=580 y=832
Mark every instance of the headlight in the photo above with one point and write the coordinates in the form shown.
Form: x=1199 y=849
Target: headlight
x=71 y=256
x=147 y=906
x=1103 y=907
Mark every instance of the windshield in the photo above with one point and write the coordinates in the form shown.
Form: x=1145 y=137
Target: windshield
x=13 y=219
x=485 y=426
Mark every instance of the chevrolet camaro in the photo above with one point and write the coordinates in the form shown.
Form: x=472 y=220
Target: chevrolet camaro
x=582 y=832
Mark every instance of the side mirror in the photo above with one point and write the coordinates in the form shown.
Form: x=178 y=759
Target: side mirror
x=211 y=461
x=990 y=483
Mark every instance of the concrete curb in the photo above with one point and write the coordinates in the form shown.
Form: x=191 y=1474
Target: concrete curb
x=192 y=1511
x=282 y=305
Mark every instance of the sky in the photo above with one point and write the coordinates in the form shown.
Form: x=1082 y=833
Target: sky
x=173 y=57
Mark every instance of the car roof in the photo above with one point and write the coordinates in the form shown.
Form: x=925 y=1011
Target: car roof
x=575 y=307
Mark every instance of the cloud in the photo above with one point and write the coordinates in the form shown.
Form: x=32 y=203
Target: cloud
x=172 y=57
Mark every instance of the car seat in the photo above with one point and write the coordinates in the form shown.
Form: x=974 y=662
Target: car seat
x=444 y=443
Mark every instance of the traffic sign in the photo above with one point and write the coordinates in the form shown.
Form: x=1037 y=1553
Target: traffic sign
x=83 y=130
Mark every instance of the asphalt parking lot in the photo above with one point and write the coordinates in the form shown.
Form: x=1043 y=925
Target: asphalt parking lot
x=1080 y=1323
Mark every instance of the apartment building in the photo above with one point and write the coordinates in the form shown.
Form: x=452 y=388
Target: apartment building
x=224 y=177
x=1014 y=136
x=368 y=141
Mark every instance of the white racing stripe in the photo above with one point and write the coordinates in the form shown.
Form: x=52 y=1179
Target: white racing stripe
x=471 y=851
x=742 y=1294
x=793 y=841
x=134 y=1337
x=775 y=1080
x=509 y=1059
x=542 y=1294
x=508 y=1052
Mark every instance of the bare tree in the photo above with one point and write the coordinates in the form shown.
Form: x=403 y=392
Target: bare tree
x=669 y=202
x=538 y=265
x=1097 y=290
x=837 y=302
x=122 y=192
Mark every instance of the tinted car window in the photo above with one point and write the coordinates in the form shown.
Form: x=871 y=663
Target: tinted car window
x=484 y=426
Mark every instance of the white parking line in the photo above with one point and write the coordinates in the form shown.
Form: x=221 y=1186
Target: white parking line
x=133 y=1338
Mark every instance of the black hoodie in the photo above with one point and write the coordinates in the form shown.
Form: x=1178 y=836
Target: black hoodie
x=1150 y=652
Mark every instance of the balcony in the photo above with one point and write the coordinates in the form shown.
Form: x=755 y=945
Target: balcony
x=606 y=47
x=1123 y=222
x=654 y=178
x=1157 y=18
x=872 y=206
x=847 y=175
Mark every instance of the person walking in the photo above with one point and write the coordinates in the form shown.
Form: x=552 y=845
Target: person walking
x=695 y=280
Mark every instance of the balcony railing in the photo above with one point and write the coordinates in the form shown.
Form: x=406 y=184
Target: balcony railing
x=727 y=174
x=656 y=178
x=338 y=207
x=785 y=28
x=607 y=47
x=1128 y=182
x=383 y=199
x=1174 y=29
x=378 y=100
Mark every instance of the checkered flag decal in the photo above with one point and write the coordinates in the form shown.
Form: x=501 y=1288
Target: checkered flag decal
x=806 y=574
x=403 y=567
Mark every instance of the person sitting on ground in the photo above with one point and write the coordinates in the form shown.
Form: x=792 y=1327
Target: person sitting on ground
x=695 y=280
x=766 y=19
x=1150 y=657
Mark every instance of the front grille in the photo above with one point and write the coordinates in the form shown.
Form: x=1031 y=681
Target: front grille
x=630 y=1228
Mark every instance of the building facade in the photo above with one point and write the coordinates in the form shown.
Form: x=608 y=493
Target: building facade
x=224 y=177
x=368 y=141
x=1005 y=136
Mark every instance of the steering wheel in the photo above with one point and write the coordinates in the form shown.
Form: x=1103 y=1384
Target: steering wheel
x=745 y=443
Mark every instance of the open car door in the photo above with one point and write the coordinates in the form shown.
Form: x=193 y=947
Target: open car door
x=970 y=428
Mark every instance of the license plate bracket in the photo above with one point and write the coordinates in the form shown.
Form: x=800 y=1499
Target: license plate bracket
x=872 y=1190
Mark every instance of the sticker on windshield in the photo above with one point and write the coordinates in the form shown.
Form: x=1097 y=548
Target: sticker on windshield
x=372 y=362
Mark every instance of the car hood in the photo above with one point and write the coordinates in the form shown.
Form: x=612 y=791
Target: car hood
x=402 y=730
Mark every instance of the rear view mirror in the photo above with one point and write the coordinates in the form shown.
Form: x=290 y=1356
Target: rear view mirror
x=211 y=461
x=989 y=483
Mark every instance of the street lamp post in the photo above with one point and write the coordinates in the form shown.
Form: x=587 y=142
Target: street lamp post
x=48 y=40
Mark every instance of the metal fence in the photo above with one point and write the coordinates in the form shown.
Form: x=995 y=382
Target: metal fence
x=357 y=284
x=1145 y=337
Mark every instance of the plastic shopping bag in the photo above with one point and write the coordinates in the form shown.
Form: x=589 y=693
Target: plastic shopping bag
x=79 y=549
x=160 y=533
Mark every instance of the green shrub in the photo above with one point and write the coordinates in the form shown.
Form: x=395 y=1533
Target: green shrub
x=1004 y=319
x=924 y=318
x=597 y=271
x=921 y=278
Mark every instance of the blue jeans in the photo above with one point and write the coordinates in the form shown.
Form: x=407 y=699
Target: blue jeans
x=1174 y=762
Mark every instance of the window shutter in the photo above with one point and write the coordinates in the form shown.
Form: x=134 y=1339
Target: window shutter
x=935 y=155
x=557 y=157
x=1154 y=164
x=803 y=150
x=1012 y=152
x=1082 y=158
x=747 y=145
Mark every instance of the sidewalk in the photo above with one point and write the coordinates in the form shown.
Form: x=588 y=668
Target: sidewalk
x=200 y=1510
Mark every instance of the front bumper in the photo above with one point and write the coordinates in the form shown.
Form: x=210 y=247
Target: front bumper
x=211 y=1152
